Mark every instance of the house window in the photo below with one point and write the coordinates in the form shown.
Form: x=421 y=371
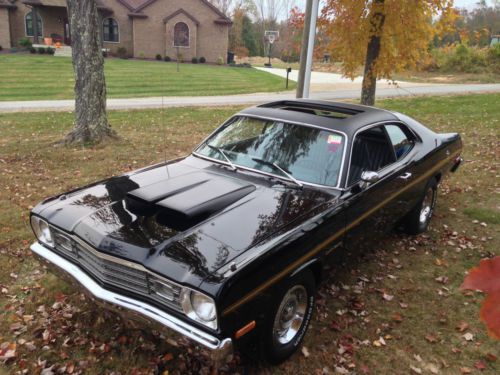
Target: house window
x=110 y=30
x=28 y=21
x=181 y=35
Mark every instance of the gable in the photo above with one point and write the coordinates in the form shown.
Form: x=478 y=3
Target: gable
x=136 y=6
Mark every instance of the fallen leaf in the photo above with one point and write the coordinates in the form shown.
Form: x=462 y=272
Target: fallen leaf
x=431 y=338
x=480 y=365
x=416 y=370
x=305 y=351
x=465 y=370
x=387 y=297
x=468 y=336
x=484 y=277
x=462 y=326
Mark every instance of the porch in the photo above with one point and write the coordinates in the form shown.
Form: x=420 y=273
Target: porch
x=48 y=21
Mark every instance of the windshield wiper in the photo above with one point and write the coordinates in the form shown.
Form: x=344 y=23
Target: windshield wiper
x=276 y=166
x=219 y=150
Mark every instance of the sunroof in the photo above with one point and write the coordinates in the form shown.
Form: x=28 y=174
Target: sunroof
x=314 y=109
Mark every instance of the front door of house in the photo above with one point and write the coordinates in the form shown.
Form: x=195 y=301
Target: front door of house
x=67 y=33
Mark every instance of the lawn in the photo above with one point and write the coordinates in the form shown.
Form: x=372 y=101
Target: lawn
x=34 y=77
x=392 y=308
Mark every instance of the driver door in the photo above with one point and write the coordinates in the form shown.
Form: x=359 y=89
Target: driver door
x=373 y=209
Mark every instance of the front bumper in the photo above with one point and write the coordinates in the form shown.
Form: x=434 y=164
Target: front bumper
x=134 y=309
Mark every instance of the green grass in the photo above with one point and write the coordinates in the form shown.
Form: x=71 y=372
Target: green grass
x=419 y=325
x=483 y=214
x=33 y=77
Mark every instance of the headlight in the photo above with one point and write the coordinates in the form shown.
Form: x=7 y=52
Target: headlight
x=199 y=307
x=42 y=230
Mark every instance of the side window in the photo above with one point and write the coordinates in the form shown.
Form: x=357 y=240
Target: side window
x=400 y=141
x=371 y=151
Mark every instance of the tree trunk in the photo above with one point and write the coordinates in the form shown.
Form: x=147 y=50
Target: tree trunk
x=91 y=124
x=372 y=52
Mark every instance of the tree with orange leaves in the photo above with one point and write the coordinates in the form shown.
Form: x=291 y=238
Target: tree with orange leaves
x=386 y=36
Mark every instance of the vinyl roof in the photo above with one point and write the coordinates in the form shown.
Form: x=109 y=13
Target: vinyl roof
x=343 y=117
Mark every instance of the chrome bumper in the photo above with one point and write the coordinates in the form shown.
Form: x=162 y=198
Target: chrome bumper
x=221 y=349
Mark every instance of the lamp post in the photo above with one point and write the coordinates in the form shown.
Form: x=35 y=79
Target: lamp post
x=306 y=53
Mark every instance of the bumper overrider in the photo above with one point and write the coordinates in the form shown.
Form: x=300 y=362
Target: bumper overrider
x=131 y=308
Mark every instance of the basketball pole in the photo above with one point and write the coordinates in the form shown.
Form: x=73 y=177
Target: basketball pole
x=307 y=50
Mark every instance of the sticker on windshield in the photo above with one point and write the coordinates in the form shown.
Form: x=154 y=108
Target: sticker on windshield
x=334 y=139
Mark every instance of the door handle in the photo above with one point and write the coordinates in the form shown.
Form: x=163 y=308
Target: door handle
x=405 y=176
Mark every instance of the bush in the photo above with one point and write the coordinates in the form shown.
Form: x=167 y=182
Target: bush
x=242 y=65
x=220 y=60
x=203 y=60
x=460 y=58
x=167 y=58
x=41 y=50
x=1 y=48
x=158 y=57
x=194 y=60
x=180 y=57
x=25 y=42
x=493 y=58
x=51 y=51
x=104 y=53
x=241 y=51
x=32 y=50
x=141 y=55
x=121 y=52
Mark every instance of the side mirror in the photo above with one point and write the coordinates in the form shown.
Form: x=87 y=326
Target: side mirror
x=368 y=178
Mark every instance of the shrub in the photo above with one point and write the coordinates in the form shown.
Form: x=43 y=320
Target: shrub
x=460 y=58
x=220 y=60
x=32 y=50
x=141 y=55
x=493 y=58
x=203 y=60
x=158 y=57
x=121 y=52
x=241 y=51
x=51 y=51
x=25 y=42
x=194 y=60
x=1 y=48
x=180 y=57
x=41 y=50
x=167 y=58
x=104 y=53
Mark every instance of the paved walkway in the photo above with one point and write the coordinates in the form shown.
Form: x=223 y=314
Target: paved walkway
x=247 y=99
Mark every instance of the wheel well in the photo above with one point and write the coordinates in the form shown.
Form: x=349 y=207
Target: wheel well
x=317 y=270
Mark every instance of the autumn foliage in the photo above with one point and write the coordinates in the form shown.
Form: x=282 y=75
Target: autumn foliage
x=486 y=278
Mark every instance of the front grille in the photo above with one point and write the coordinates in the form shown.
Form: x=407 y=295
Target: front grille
x=137 y=281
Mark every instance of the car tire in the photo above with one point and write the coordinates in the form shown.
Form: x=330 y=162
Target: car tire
x=419 y=218
x=289 y=317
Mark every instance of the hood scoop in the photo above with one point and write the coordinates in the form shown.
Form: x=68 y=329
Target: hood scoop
x=181 y=202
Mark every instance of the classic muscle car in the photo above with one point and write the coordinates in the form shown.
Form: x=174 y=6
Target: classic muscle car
x=227 y=246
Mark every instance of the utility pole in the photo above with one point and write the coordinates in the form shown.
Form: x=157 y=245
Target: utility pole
x=307 y=49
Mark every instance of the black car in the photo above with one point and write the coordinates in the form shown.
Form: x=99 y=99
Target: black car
x=227 y=246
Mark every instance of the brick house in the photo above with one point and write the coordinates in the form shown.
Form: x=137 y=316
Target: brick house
x=144 y=27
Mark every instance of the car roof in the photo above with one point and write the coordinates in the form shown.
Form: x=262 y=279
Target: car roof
x=337 y=116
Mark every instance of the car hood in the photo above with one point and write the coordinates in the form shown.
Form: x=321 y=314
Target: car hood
x=184 y=219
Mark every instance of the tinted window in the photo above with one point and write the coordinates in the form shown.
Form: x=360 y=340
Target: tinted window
x=371 y=151
x=399 y=140
x=308 y=154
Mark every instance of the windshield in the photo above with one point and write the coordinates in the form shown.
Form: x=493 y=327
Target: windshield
x=307 y=154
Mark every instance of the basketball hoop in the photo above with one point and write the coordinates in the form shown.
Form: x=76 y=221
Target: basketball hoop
x=271 y=36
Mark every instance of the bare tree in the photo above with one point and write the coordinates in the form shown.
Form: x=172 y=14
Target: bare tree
x=225 y=6
x=91 y=123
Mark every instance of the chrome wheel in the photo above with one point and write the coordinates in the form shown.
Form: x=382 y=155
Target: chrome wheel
x=290 y=315
x=427 y=206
